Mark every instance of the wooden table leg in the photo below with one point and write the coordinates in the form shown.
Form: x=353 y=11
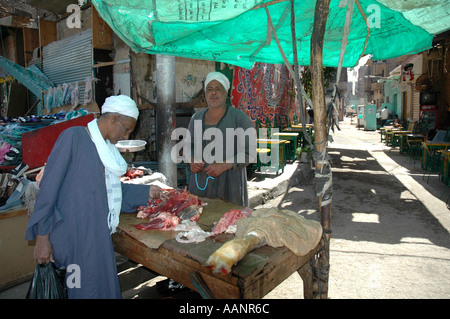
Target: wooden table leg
x=200 y=285
x=306 y=273
x=315 y=273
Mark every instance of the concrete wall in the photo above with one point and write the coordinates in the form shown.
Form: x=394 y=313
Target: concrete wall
x=189 y=77
x=393 y=96
x=121 y=71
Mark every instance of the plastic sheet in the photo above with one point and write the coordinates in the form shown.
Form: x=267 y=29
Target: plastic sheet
x=237 y=32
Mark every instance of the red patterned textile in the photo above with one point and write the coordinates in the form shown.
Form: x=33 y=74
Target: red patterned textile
x=263 y=92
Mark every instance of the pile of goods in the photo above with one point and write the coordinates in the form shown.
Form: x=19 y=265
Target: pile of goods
x=180 y=211
x=166 y=214
x=133 y=173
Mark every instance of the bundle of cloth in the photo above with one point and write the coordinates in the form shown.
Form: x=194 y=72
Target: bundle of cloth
x=271 y=226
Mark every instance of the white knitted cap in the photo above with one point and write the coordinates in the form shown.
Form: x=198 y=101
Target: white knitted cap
x=220 y=77
x=121 y=104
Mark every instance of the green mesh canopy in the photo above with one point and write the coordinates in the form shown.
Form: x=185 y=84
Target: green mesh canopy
x=238 y=31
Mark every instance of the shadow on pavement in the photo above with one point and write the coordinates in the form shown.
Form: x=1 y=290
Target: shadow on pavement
x=369 y=203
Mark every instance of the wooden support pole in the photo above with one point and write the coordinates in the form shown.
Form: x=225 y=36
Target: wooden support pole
x=322 y=264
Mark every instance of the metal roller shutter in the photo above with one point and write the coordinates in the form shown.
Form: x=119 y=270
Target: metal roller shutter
x=69 y=60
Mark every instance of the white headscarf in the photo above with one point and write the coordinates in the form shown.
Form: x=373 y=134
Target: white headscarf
x=220 y=77
x=115 y=166
x=121 y=104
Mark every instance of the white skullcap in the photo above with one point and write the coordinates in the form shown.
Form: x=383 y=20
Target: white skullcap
x=218 y=77
x=121 y=104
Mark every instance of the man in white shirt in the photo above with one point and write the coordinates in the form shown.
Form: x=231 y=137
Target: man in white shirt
x=385 y=115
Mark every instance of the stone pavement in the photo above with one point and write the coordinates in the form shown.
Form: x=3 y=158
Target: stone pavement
x=260 y=190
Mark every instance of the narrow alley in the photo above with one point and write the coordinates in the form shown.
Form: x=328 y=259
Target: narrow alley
x=390 y=223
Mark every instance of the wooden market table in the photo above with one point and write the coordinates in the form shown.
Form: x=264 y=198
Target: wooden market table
x=260 y=271
x=308 y=126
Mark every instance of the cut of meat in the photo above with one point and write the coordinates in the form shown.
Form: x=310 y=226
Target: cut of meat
x=229 y=218
x=151 y=208
x=133 y=173
x=190 y=213
x=180 y=200
x=181 y=205
x=160 y=221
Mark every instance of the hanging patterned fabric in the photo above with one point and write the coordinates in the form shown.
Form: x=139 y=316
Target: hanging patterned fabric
x=263 y=92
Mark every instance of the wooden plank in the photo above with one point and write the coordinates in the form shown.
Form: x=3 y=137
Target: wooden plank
x=30 y=42
x=198 y=101
x=282 y=263
x=48 y=32
x=13 y=213
x=306 y=273
x=101 y=32
x=16 y=261
x=248 y=267
x=161 y=261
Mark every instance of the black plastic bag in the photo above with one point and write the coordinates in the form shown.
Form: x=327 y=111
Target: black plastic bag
x=48 y=283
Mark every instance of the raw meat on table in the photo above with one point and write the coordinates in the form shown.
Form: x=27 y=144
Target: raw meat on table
x=131 y=174
x=161 y=221
x=180 y=204
x=229 y=219
x=151 y=208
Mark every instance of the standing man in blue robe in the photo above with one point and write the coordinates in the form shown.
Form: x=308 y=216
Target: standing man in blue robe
x=80 y=199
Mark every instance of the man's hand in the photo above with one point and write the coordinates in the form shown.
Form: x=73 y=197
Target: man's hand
x=43 y=251
x=197 y=167
x=156 y=192
x=217 y=169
